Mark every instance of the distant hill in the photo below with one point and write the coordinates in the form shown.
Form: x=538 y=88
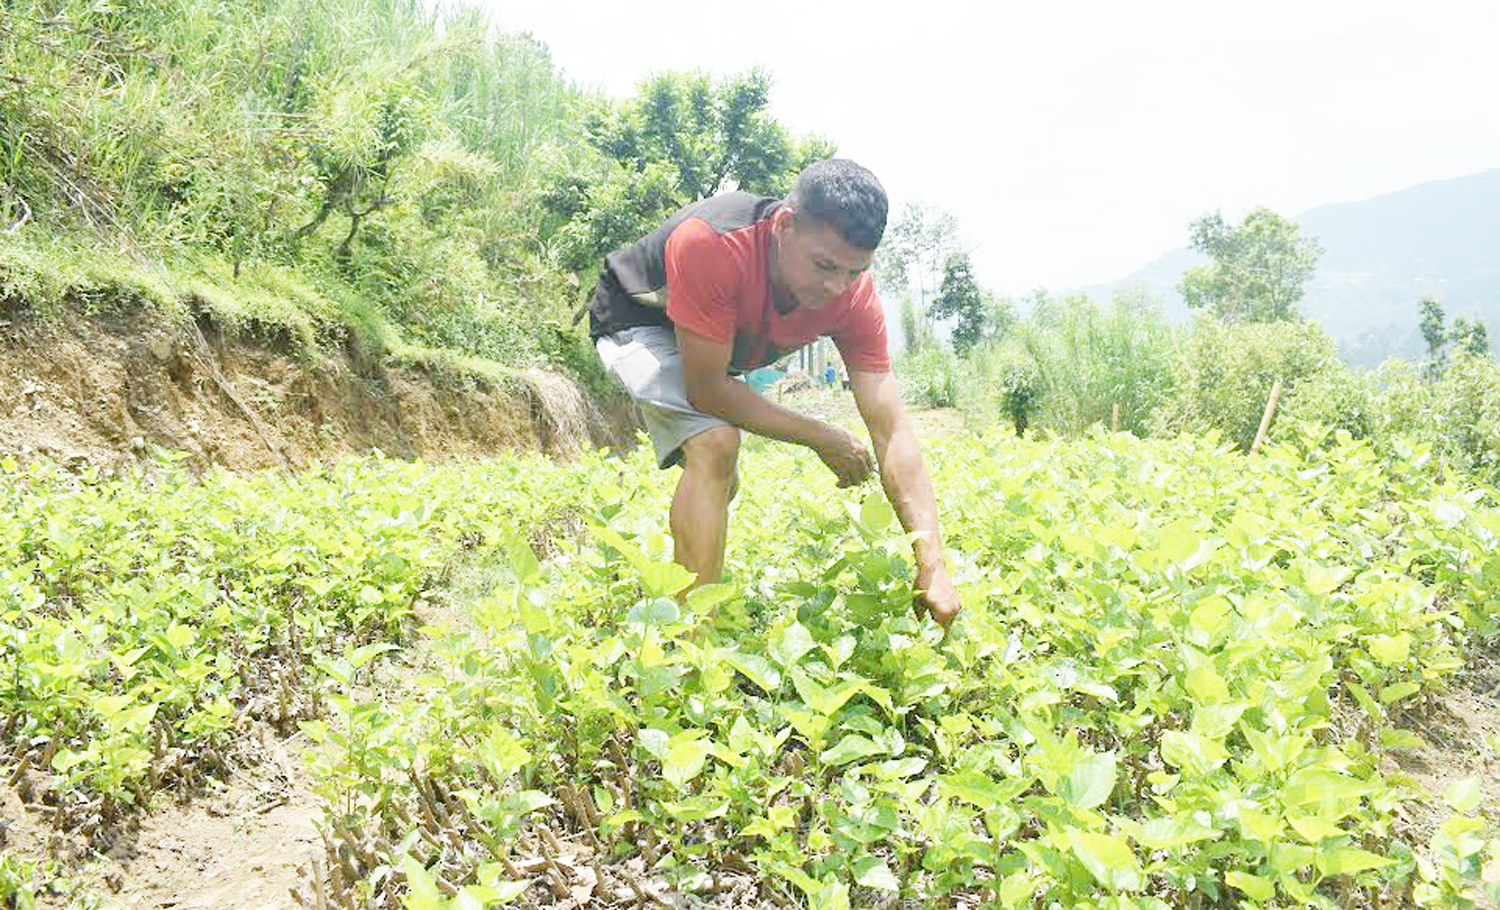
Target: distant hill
x=1380 y=256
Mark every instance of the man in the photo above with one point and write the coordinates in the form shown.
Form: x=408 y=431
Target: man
x=730 y=284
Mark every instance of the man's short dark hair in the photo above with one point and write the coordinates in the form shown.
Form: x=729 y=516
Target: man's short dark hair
x=844 y=196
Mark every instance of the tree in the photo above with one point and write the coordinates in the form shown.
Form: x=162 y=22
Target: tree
x=916 y=332
x=999 y=315
x=1435 y=333
x=1257 y=269
x=1471 y=337
x=683 y=137
x=1468 y=337
x=916 y=246
x=961 y=298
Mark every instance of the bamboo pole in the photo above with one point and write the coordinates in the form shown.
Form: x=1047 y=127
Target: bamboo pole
x=1114 y=419
x=1265 y=419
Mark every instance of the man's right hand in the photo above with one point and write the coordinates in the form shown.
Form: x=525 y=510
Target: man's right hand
x=846 y=456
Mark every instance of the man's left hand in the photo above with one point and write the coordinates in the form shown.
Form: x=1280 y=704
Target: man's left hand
x=936 y=594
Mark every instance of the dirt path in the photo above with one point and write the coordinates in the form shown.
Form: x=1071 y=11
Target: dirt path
x=836 y=406
x=238 y=849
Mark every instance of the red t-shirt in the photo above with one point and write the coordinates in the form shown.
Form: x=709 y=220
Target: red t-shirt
x=718 y=286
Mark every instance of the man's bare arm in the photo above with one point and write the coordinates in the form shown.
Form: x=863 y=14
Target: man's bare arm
x=711 y=390
x=907 y=485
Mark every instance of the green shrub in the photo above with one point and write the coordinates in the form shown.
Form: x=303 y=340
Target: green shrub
x=1334 y=399
x=1468 y=402
x=1225 y=373
x=1090 y=360
x=934 y=377
x=1007 y=385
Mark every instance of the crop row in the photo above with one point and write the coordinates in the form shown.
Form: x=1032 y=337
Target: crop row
x=1180 y=680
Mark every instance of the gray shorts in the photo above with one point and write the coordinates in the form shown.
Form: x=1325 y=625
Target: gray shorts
x=646 y=361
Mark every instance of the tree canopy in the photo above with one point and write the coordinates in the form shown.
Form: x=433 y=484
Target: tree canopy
x=961 y=298
x=1257 y=269
x=681 y=138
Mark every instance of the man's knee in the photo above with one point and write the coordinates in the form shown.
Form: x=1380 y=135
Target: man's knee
x=715 y=452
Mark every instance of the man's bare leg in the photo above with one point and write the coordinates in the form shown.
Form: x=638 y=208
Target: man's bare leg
x=700 y=508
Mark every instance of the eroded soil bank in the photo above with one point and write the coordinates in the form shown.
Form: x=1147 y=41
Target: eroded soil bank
x=106 y=390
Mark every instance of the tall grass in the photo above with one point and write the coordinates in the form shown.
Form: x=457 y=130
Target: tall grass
x=1090 y=360
x=1067 y=367
x=390 y=154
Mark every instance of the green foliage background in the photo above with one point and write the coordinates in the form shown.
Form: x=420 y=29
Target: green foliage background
x=407 y=175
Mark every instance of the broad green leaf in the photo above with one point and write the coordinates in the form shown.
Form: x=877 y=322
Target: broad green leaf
x=1090 y=782
x=135 y=719
x=705 y=598
x=1321 y=579
x=1275 y=752
x=1350 y=861
x=527 y=801
x=1192 y=752
x=1313 y=828
x=1463 y=795
x=180 y=635
x=756 y=668
x=1390 y=649
x=661 y=579
x=823 y=701
x=663 y=611
x=830 y=894
x=1331 y=793
x=664 y=579
x=789 y=646
x=108 y=706
x=1179 y=540
x=503 y=753
x=872 y=872
x=1393 y=693
x=1216 y=720
x=685 y=758
x=1288 y=858
x=655 y=742
x=851 y=748
x=743 y=737
x=980 y=790
x=1366 y=699
x=1401 y=739
x=1166 y=833
x=697 y=809
x=1107 y=858
x=522 y=560
x=1261 y=826
x=421 y=888
x=1205 y=684
x=864 y=723
x=1255 y=887
x=365 y=653
x=1017 y=890
x=1209 y=619
x=898 y=768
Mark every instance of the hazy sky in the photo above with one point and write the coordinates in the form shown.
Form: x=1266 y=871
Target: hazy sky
x=1075 y=139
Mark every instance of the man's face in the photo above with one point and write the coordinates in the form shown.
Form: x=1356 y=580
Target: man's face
x=813 y=264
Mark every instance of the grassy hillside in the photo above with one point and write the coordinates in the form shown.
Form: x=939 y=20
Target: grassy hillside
x=415 y=181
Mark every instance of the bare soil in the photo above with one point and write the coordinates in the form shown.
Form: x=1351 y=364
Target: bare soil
x=236 y=848
x=104 y=391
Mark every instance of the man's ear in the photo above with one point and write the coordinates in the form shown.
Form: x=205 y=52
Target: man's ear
x=783 y=220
